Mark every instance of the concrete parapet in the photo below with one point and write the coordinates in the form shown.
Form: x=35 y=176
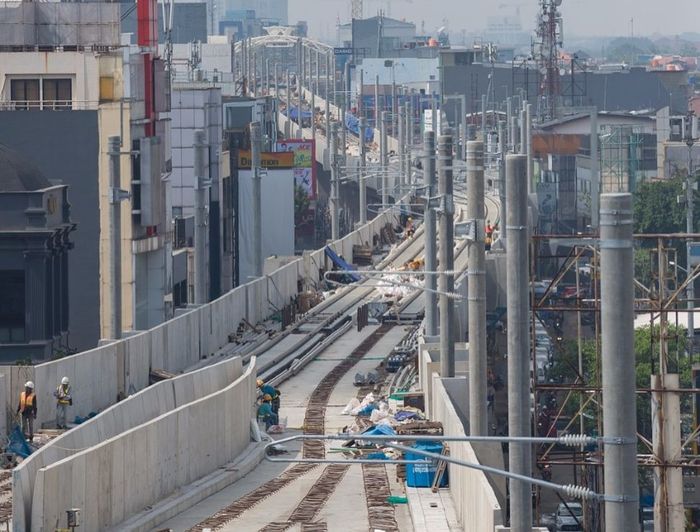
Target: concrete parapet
x=125 y=415
x=124 y=474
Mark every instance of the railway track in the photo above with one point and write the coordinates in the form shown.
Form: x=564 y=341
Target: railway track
x=314 y=423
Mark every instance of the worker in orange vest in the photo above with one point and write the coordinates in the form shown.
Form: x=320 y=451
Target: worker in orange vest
x=27 y=408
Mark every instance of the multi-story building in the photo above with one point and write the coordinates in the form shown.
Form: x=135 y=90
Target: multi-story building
x=67 y=83
x=35 y=230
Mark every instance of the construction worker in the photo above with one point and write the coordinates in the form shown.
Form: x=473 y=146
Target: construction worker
x=27 y=408
x=273 y=392
x=265 y=412
x=410 y=229
x=63 y=400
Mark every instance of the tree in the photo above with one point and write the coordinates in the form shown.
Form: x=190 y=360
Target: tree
x=656 y=209
x=646 y=348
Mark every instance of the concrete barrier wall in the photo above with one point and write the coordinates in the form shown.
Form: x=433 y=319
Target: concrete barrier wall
x=127 y=414
x=129 y=472
x=474 y=498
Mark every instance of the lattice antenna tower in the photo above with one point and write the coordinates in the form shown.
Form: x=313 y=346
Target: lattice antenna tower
x=549 y=34
x=356 y=9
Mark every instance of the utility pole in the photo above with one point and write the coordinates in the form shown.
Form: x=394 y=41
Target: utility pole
x=446 y=280
x=595 y=172
x=509 y=115
x=463 y=125
x=360 y=105
x=517 y=266
x=384 y=159
x=478 y=415
x=328 y=126
x=314 y=88
x=483 y=117
x=288 y=90
x=409 y=142
x=201 y=183
x=401 y=123
x=618 y=362
x=523 y=130
x=255 y=148
x=690 y=187
x=528 y=114
x=502 y=148
x=335 y=192
x=377 y=109
x=115 y=223
x=431 y=311
x=363 y=165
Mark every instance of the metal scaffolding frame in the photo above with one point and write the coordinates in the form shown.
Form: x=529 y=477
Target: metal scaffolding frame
x=661 y=301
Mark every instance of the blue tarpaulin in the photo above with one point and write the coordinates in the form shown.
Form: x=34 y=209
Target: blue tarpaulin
x=294 y=114
x=340 y=263
x=18 y=445
x=353 y=124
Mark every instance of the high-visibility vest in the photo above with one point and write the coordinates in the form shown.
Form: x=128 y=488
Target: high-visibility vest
x=63 y=395
x=25 y=400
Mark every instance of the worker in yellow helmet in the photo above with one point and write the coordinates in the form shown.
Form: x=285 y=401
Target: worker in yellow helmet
x=273 y=392
x=265 y=412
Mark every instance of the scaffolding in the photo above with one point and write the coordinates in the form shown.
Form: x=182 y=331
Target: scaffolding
x=620 y=156
x=45 y=26
x=668 y=458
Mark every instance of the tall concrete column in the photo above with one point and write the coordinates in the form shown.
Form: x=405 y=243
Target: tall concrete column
x=463 y=124
x=409 y=143
x=431 y=311
x=377 y=108
x=401 y=123
x=618 y=361
x=115 y=233
x=502 y=148
x=483 y=117
x=509 y=115
x=360 y=103
x=335 y=185
x=361 y=182
x=523 y=130
x=384 y=158
x=517 y=266
x=314 y=88
x=478 y=416
x=595 y=172
x=530 y=169
x=513 y=137
x=255 y=148
x=200 y=219
x=446 y=280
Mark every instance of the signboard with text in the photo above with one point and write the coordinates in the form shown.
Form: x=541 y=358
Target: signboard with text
x=303 y=152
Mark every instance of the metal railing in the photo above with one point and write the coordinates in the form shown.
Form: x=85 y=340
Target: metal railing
x=49 y=105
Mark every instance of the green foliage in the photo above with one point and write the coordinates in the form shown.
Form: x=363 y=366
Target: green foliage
x=656 y=209
x=646 y=348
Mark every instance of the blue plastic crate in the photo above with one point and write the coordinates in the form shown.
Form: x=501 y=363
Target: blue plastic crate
x=422 y=475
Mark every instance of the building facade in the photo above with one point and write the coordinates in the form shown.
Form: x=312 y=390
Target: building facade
x=35 y=230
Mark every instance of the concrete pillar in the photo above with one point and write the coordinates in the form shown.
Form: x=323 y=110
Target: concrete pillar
x=335 y=185
x=401 y=123
x=430 y=236
x=618 y=361
x=517 y=260
x=530 y=169
x=255 y=148
x=446 y=279
x=595 y=172
x=478 y=417
x=384 y=158
x=115 y=241
x=200 y=219
x=361 y=182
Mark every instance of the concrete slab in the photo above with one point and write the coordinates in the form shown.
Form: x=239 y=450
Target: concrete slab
x=432 y=511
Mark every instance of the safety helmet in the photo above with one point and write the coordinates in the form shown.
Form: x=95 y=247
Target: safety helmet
x=29 y=384
x=260 y=382
x=65 y=380
x=410 y=219
x=267 y=397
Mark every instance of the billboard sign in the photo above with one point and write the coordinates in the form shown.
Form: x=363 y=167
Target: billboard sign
x=303 y=154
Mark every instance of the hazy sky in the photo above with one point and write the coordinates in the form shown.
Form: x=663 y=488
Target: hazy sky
x=581 y=17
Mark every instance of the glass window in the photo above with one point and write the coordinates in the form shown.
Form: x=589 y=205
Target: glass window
x=25 y=93
x=57 y=93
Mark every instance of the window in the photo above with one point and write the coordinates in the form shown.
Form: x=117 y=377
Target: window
x=25 y=92
x=12 y=306
x=57 y=93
